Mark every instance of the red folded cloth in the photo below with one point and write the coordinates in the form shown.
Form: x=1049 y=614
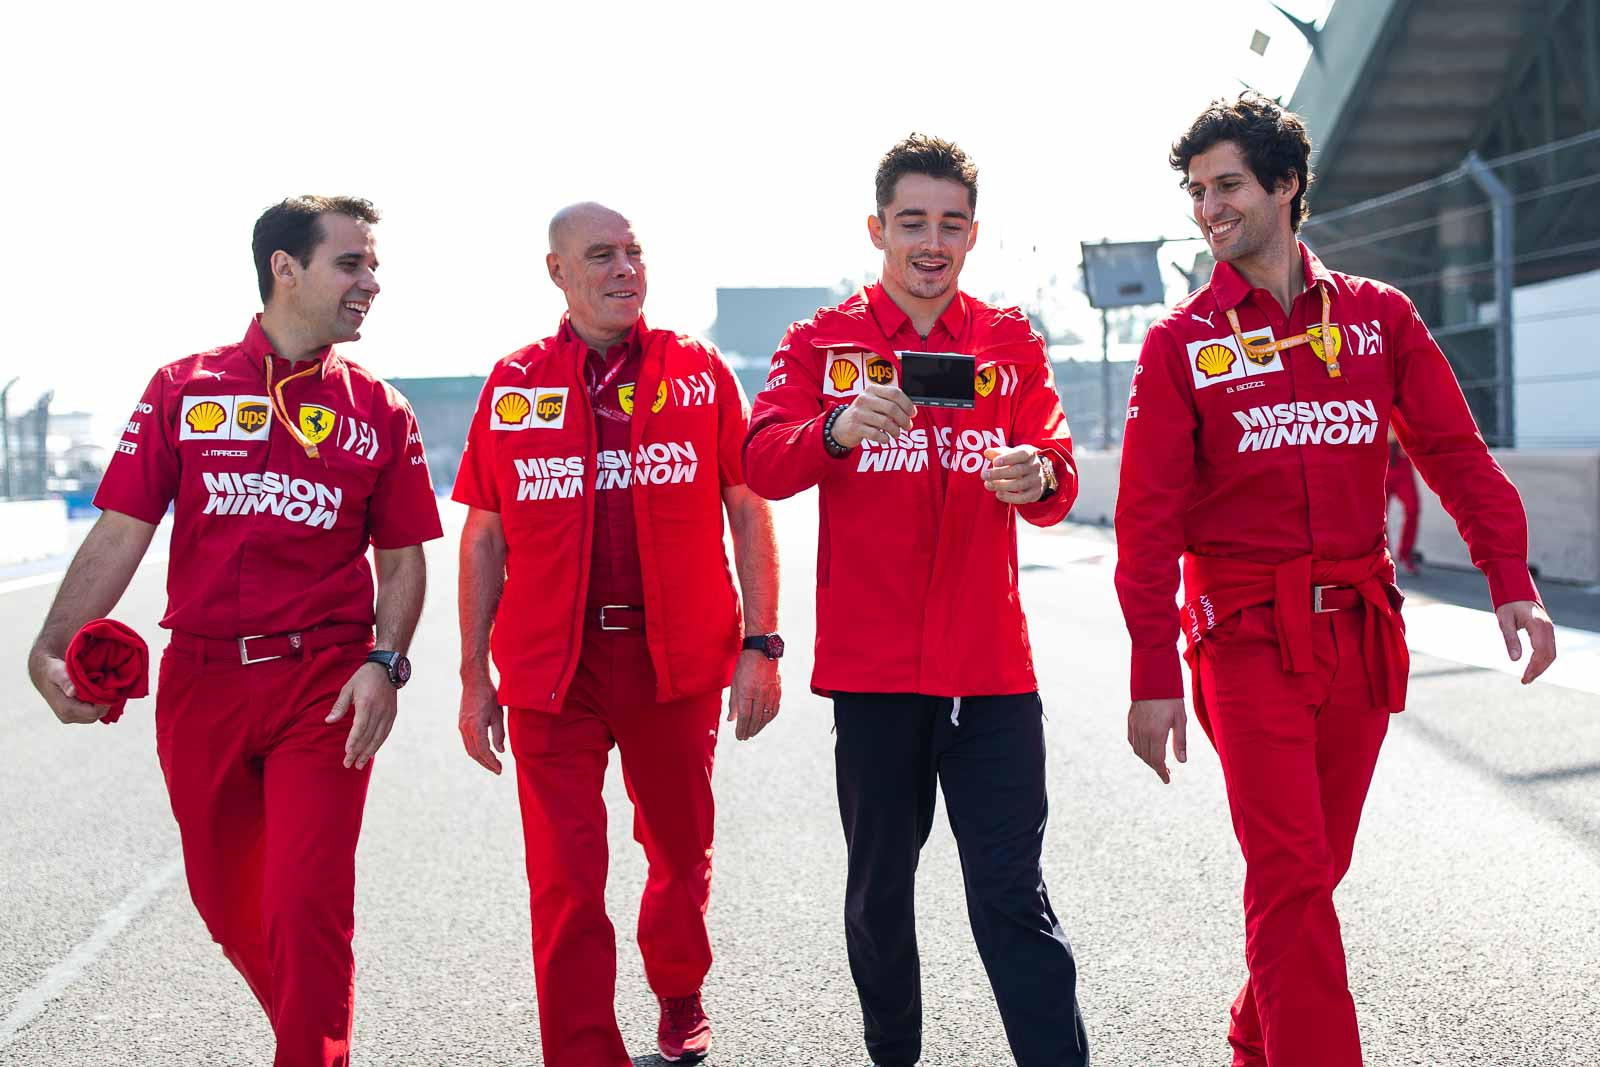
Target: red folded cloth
x=109 y=664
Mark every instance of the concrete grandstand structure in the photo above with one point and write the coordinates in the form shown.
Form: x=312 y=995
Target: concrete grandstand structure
x=1458 y=157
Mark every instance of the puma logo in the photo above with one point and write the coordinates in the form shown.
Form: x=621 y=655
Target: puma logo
x=1206 y=320
x=523 y=367
x=215 y=374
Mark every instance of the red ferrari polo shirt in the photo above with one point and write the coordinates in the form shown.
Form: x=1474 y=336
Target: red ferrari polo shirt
x=266 y=537
x=614 y=573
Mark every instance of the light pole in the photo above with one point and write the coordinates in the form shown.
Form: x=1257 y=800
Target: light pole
x=5 y=440
x=1118 y=275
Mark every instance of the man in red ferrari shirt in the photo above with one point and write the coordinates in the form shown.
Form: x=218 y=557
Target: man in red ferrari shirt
x=921 y=641
x=1255 y=450
x=285 y=462
x=597 y=469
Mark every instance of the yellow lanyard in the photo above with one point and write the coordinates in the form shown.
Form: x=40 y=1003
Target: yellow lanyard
x=280 y=408
x=1324 y=344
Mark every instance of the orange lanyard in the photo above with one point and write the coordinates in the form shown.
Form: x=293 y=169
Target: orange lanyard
x=1325 y=344
x=280 y=407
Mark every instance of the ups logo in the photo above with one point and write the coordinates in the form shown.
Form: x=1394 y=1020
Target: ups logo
x=251 y=417
x=880 y=371
x=1262 y=350
x=549 y=406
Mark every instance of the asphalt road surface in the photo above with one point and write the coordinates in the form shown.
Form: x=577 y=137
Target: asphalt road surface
x=1471 y=915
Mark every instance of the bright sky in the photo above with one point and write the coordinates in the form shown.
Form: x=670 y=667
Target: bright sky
x=143 y=140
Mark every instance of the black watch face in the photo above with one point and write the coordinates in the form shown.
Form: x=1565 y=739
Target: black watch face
x=402 y=670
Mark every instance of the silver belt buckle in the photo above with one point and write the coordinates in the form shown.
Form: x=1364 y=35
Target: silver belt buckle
x=244 y=651
x=1316 y=599
x=607 y=607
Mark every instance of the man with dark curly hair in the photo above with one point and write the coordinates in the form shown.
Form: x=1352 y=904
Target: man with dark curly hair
x=1255 y=449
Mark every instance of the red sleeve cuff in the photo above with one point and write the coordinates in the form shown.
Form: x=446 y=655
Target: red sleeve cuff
x=1054 y=510
x=1156 y=674
x=1509 y=580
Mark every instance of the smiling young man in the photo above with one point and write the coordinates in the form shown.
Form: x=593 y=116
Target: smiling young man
x=1256 y=450
x=284 y=461
x=921 y=641
x=597 y=469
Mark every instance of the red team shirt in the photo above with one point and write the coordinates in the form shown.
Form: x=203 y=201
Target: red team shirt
x=265 y=538
x=1270 y=458
x=614 y=573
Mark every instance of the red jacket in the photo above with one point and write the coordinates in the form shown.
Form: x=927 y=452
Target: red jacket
x=1269 y=458
x=531 y=457
x=916 y=560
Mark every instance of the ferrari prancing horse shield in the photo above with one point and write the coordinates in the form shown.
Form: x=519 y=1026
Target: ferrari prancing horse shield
x=316 y=422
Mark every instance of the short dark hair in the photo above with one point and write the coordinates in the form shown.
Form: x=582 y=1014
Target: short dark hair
x=921 y=154
x=295 y=226
x=1274 y=142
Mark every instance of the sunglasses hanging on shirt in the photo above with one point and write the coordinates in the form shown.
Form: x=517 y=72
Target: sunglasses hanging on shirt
x=1323 y=344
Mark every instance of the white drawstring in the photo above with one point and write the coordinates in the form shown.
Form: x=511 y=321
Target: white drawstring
x=955 y=712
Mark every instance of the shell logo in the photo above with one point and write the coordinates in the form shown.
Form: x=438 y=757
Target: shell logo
x=661 y=398
x=1314 y=336
x=984 y=382
x=1214 y=360
x=1260 y=350
x=206 y=417
x=549 y=406
x=880 y=371
x=512 y=409
x=843 y=375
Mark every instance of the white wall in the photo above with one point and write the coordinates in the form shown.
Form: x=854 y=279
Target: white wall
x=34 y=529
x=1557 y=332
x=1560 y=489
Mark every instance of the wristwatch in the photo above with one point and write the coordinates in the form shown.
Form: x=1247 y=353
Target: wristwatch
x=1047 y=467
x=398 y=666
x=769 y=645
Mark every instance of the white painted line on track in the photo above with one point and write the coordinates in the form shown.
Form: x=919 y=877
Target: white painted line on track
x=1472 y=636
x=32 y=1003
x=33 y=581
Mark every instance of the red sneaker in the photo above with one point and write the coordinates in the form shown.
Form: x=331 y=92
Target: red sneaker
x=684 y=1034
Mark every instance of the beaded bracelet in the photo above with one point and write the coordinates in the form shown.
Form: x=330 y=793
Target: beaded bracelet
x=834 y=448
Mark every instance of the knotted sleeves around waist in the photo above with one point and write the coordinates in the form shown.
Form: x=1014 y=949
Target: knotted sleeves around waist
x=1219 y=588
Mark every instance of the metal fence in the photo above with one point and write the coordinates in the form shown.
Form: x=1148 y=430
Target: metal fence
x=25 y=465
x=1502 y=258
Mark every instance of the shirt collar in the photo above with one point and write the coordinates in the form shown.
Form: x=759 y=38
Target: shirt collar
x=626 y=348
x=1229 y=287
x=890 y=317
x=257 y=345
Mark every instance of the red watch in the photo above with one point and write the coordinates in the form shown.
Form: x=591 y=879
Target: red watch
x=769 y=645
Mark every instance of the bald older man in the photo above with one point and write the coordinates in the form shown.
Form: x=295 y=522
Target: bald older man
x=596 y=471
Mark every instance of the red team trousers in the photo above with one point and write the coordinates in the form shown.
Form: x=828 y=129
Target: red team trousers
x=269 y=817
x=1297 y=752
x=667 y=751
